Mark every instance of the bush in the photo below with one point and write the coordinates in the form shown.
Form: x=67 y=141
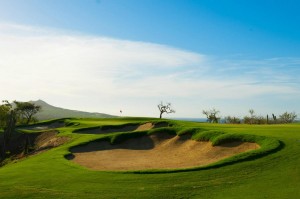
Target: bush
x=287 y=117
x=255 y=120
x=232 y=120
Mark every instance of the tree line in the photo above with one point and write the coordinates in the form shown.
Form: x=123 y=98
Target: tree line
x=213 y=116
x=284 y=118
x=12 y=114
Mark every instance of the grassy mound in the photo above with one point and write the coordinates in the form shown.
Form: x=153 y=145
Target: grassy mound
x=127 y=127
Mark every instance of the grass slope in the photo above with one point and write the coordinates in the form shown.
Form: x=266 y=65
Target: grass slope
x=49 y=175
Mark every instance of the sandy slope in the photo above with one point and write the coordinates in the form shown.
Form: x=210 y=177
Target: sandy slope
x=159 y=151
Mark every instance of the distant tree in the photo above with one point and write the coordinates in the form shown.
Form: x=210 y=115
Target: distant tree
x=287 y=117
x=274 y=118
x=232 y=120
x=252 y=116
x=260 y=120
x=8 y=131
x=250 y=119
x=165 y=108
x=4 y=112
x=26 y=111
x=9 y=116
x=212 y=115
x=247 y=120
x=7 y=122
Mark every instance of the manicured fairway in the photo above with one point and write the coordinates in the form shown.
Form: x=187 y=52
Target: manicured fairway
x=50 y=175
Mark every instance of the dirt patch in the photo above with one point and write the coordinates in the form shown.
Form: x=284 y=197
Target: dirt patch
x=159 y=151
x=125 y=128
x=24 y=144
x=48 y=140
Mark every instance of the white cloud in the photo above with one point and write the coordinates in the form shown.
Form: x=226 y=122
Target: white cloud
x=71 y=69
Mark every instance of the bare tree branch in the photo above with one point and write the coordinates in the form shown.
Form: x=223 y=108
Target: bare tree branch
x=165 y=108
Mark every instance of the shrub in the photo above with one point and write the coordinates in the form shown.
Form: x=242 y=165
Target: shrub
x=232 y=120
x=287 y=117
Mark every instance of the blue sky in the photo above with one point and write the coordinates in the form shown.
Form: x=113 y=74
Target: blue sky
x=107 y=55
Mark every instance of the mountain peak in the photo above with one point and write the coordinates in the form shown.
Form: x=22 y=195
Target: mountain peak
x=52 y=112
x=39 y=102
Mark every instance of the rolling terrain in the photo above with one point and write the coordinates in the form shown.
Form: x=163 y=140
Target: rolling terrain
x=254 y=174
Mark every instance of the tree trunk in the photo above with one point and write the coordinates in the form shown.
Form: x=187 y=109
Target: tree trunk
x=3 y=150
x=10 y=127
x=160 y=115
x=27 y=144
x=28 y=120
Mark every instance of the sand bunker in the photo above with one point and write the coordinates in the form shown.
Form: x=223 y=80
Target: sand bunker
x=53 y=125
x=158 y=151
x=126 y=128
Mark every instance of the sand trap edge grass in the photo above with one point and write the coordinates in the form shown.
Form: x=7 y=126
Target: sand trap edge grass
x=267 y=145
x=105 y=129
x=43 y=126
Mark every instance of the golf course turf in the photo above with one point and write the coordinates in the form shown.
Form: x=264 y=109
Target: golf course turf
x=270 y=171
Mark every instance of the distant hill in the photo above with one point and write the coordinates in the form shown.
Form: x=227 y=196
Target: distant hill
x=51 y=112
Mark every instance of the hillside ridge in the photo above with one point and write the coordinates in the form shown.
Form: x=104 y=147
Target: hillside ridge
x=52 y=112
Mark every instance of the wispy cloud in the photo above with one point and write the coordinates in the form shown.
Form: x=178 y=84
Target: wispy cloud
x=71 y=69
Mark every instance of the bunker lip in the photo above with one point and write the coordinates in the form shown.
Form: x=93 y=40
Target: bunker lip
x=156 y=151
x=122 y=128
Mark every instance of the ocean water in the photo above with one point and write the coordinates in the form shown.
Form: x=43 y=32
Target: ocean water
x=189 y=119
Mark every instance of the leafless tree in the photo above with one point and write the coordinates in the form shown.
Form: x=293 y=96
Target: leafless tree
x=212 y=115
x=252 y=116
x=287 y=117
x=165 y=108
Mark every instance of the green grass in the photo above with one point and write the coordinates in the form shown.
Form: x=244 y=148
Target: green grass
x=272 y=175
